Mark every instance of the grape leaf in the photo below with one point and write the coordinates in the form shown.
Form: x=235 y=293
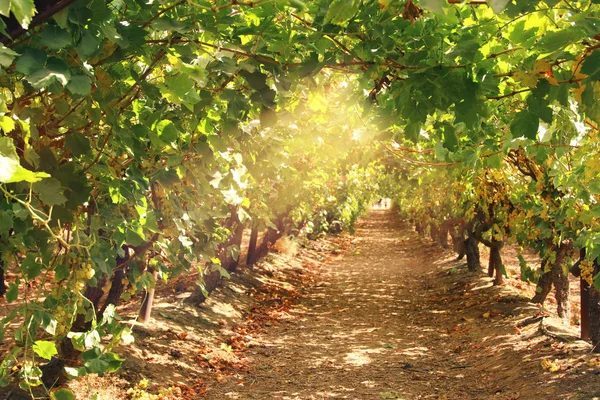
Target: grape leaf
x=12 y=292
x=525 y=124
x=31 y=61
x=10 y=169
x=55 y=38
x=24 y=10
x=50 y=191
x=80 y=84
x=436 y=6
x=498 y=5
x=341 y=11
x=62 y=394
x=7 y=56
x=45 y=349
x=591 y=66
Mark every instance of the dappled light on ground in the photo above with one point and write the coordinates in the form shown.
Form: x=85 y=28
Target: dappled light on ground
x=396 y=317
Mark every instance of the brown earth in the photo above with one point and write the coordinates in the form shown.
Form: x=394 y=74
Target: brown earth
x=383 y=314
x=396 y=317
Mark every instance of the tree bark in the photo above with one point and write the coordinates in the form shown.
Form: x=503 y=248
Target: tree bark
x=419 y=228
x=272 y=235
x=472 y=252
x=561 y=284
x=444 y=230
x=495 y=263
x=146 y=309
x=584 y=295
x=491 y=264
x=433 y=231
x=2 y=283
x=213 y=278
x=231 y=264
x=557 y=277
x=595 y=314
x=458 y=240
x=211 y=281
x=543 y=287
x=251 y=258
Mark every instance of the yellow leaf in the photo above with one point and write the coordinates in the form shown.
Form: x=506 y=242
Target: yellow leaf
x=542 y=66
x=551 y=366
x=529 y=80
x=552 y=80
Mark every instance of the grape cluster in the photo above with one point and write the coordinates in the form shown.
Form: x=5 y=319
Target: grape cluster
x=587 y=271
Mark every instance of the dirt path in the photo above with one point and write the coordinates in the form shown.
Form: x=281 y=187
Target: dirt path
x=395 y=317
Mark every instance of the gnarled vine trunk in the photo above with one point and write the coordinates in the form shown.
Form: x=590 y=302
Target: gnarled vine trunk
x=594 y=313
x=557 y=277
x=457 y=234
x=543 y=287
x=251 y=257
x=472 y=252
x=495 y=265
x=2 y=283
x=148 y=300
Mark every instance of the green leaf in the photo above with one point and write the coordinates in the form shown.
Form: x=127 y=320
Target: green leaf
x=437 y=6
x=232 y=197
x=127 y=337
x=25 y=175
x=55 y=38
x=167 y=131
x=12 y=292
x=5 y=8
x=31 y=268
x=50 y=191
x=62 y=18
x=169 y=24
x=7 y=124
x=181 y=90
x=591 y=66
x=7 y=56
x=597 y=282
x=96 y=366
x=32 y=60
x=78 y=144
x=539 y=107
x=450 y=138
x=24 y=10
x=412 y=132
x=62 y=394
x=80 y=84
x=498 y=5
x=75 y=372
x=10 y=169
x=6 y=222
x=113 y=360
x=257 y=80
x=300 y=5
x=45 y=349
x=56 y=70
x=341 y=11
x=522 y=36
x=61 y=272
x=525 y=124
x=87 y=46
x=557 y=40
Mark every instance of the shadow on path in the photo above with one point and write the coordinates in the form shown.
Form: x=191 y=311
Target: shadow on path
x=392 y=319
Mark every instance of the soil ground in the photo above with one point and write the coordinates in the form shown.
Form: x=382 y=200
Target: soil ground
x=382 y=314
x=396 y=317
